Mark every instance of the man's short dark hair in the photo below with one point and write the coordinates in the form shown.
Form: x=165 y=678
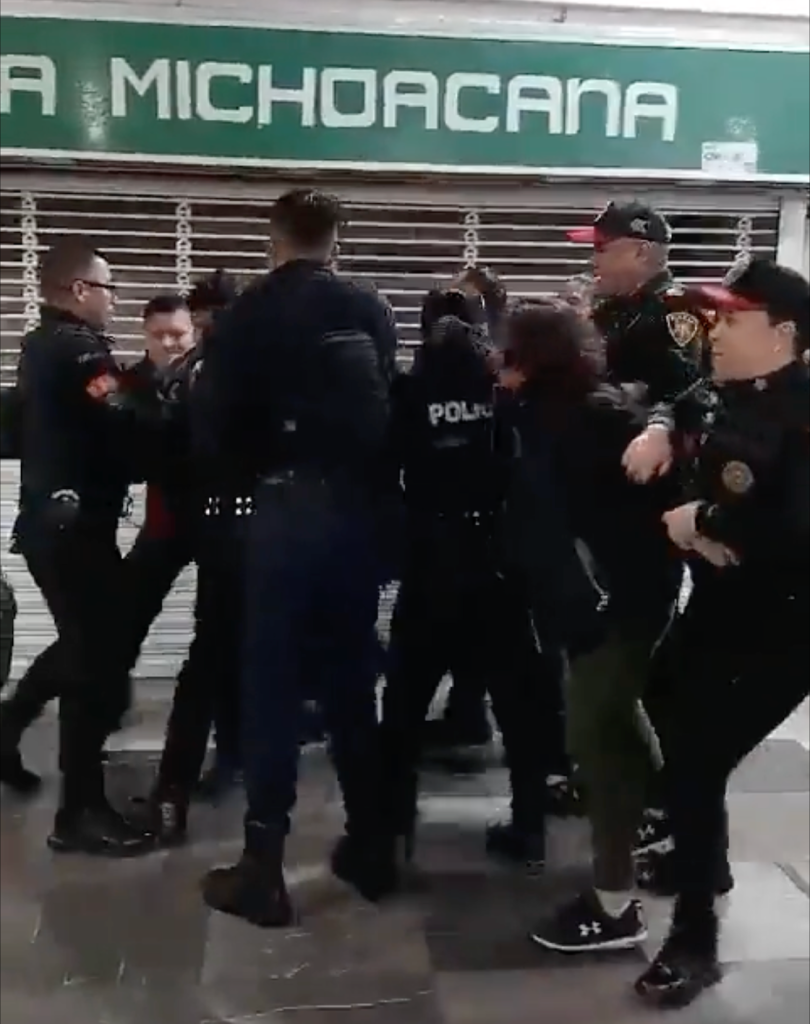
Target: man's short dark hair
x=163 y=304
x=67 y=260
x=216 y=291
x=307 y=217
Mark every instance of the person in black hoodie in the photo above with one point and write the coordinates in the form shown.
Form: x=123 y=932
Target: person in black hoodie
x=584 y=425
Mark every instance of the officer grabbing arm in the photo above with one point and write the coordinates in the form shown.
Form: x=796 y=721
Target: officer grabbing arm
x=76 y=431
x=738 y=658
x=298 y=401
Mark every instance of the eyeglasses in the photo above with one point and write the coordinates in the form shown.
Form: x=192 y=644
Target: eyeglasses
x=107 y=286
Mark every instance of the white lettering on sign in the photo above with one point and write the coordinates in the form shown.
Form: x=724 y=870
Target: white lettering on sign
x=458 y=83
x=458 y=412
x=418 y=89
x=158 y=76
x=23 y=73
x=331 y=117
x=363 y=98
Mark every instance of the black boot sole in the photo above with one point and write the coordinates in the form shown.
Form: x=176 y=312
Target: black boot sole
x=285 y=918
x=109 y=851
x=682 y=996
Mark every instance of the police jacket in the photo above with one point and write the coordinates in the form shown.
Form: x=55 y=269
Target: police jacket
x=443 y=433
x=648 y=342
x=79 y=431
x=750 y=470
x=295 y=379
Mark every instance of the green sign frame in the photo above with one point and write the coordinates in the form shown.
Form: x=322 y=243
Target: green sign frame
x=233 y=96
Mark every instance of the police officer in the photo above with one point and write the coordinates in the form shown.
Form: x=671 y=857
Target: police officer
x=645 y=341
x=737 y=660
x=79 y=435
x=298 y=401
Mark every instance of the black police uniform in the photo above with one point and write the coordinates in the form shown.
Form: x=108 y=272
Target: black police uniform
x=207 y=690
x=79 y=436
x=454 y=608
x=297 y=400
x=737 y=662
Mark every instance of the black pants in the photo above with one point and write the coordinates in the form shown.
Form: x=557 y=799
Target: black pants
x=152 y=566
x=453 y=609
x=735 y=665
x=150 y=569
x=79 y=570
x=312 y=570
x=207 y=691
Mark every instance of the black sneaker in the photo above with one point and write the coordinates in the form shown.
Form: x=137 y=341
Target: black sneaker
x=508 y=842
x=656 y=874
x=16 y=776
x=584 y=926
x=99 y=832
x=252 y=890
x=654 y=834
x=678 y=975
x=371 y=866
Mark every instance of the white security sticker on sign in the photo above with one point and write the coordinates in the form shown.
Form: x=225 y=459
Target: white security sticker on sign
x=725 y=159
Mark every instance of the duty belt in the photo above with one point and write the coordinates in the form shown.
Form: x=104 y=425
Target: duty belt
x=239 y=505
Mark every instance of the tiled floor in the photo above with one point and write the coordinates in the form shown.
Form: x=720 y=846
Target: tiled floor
x=130 y=943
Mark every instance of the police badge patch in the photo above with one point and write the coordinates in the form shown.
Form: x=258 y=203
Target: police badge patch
x=737 y=477
x=683 y=327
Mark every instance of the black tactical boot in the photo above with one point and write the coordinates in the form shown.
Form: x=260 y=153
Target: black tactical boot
x=13 y=772
x=687 y=964
x=254 y=888
x=99 y=831
x=165 y=813
x=527 y=846
x=368 y=863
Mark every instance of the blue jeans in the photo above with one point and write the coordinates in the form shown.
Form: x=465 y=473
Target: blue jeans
x=312 y=571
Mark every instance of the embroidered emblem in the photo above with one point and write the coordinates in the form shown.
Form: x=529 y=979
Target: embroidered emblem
x=737 y=477
x=683 y=327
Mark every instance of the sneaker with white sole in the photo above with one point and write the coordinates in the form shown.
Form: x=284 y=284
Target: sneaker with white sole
x=584 y=926
x=654 y=834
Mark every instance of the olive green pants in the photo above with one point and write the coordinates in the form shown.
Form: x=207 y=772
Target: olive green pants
x=8 y=613
x=613 y=744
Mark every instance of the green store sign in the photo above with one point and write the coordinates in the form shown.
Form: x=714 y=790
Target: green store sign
x=253 y=97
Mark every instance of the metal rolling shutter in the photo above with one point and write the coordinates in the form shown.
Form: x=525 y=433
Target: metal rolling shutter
x=161 y=235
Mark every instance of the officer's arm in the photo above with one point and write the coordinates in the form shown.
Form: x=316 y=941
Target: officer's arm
x=222 y=392
x=773 y=522
x=360 y=410
x=382 y=327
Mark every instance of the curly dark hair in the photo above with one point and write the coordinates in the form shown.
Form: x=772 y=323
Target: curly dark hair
x=549 y=343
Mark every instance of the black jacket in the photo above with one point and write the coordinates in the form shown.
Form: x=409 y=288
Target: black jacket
x=297 y=377
x=79 y=431
x=618 y=521
x=750 y=469
x=645 y=342
x=442 y=431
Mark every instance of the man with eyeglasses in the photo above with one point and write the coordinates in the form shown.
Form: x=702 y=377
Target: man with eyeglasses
x=78 y=433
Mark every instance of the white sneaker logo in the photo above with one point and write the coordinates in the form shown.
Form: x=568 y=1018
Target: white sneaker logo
x=586 y=930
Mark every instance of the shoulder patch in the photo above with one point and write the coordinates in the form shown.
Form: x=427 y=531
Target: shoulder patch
x=683 y=327
x=737 y=477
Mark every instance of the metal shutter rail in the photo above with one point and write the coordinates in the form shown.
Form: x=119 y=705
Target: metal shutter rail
x=155 y=241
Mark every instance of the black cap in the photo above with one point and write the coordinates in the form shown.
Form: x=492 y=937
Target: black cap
x=625 y=220
x=757 y=283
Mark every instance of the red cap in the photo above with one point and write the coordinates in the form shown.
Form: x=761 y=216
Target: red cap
x=716 y=296
x=587 y=234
